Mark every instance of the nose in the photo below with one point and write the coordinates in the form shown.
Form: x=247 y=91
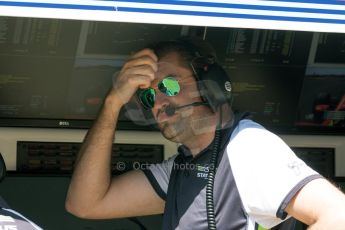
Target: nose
x=161 y=100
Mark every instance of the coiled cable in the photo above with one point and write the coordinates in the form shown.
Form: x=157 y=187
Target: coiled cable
x=211 y=217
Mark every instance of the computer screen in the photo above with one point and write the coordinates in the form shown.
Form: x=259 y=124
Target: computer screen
x=56 y=73
x=322 y=101
x=290 y=81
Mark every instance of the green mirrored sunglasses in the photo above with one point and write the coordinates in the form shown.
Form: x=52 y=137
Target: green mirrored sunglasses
x=169 y=86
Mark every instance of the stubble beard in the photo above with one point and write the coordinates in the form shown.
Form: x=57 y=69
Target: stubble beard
x=175 y=131
x=183 y=129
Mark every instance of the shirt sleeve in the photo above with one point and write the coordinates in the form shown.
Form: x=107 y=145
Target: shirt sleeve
x=266 y=171
x=159 y=176
x=11 y=219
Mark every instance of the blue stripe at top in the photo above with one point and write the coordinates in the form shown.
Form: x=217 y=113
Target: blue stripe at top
x=57 y=6
x=175 y=2
x=231 y=15
x=195 y=13
x=236 y=6
x=325 y=2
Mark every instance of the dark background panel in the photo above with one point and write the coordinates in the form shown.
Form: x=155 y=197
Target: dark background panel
x=42 y=199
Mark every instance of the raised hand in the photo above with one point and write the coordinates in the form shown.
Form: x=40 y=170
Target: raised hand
x=137 y=72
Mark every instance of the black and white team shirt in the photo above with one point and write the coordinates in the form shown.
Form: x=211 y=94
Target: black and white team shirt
x=13 y=220
x=257 y=176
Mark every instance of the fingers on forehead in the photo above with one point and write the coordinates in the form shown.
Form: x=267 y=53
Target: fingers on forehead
x=146 y=52
x=141 y=61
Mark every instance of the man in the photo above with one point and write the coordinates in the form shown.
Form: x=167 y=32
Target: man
x=258 y=180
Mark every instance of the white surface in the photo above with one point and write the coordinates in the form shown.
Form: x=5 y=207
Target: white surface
x=10 y=136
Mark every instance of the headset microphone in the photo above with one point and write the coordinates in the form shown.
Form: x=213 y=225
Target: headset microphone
x=170 y=110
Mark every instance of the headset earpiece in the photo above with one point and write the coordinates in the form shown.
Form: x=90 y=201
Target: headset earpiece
x=214 y=86
x=213 y=82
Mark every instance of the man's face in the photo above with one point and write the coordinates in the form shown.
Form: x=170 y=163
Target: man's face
x=178 y=126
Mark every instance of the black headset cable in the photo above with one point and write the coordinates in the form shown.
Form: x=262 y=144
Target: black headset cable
x=211 y=218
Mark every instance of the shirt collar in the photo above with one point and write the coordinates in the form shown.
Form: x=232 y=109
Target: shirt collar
x=187 y=155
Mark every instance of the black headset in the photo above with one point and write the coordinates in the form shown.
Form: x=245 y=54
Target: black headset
x=213 y=82
x=2 y=168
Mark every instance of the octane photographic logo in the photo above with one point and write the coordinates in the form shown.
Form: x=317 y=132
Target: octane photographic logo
x=7 y=223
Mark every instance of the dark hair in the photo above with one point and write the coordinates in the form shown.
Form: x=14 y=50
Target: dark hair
x=188 y=49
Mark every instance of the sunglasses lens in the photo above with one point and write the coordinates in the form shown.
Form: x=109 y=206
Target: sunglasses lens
x=169 y=86
x=148 y=98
